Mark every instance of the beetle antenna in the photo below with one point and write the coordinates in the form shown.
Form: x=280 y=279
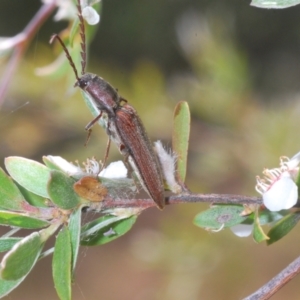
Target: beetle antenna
x=56 y=36
x=83 y=38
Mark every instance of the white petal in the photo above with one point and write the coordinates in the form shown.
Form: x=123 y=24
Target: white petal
x=283 y=194
x=10 y=42
x=294 y=161
x=242 y=230
x=167 y=162
x=90 y=15
x=64 y=165
x=84 y=3
x=66 y=10
x=114 y=170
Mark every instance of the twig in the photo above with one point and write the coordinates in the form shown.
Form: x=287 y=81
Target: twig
x=21 y=42
x=275 y=284
x=184 y=198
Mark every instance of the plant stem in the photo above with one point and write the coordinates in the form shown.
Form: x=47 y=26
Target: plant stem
x=179 y=199
x=275 y=284
x=21 y=41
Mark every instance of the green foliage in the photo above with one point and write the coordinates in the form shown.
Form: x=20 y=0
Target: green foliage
x=180 y=138
x=6 y=243
x=105 y=229
x=36 y=195
x=258 y=233
x=75 y=230
x=220 y=216
x=61 y=264
x=21 y=220
x=18 y=262
x=61 y=192
x=31 y=198
x=6 y=286
x=283 y=227
x=61 y=206
x=10 y=196
x=37 y=175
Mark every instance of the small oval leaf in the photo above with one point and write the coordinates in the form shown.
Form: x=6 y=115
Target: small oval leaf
x=220 y=216
x=61 y=192
x=33 y=199
x=21 y=220
x=7 y=243
x=30 y=174
x=61 y=264
x=258 y=233
x=105 y=229
x=283 y=227
x=6 y=286
x=181 y=135
x=18 y=262
x=266 y=216
x=10 y=196
x=75 y=230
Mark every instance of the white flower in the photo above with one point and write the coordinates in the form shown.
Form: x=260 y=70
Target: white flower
x=64 y=165
x=90 y=15
x=242 y=230
x=67 y=10
x=90 y=167
x=114 y=170
x=278 y=188
x=168 y=163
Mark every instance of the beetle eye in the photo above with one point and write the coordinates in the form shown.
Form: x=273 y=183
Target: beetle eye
x=83 y=83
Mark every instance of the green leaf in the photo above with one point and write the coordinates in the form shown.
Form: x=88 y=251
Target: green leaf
x=266 y=216
x=90 y=103
x=75 y=230
x=61 y=264
x=283 y=227
x=105 y=229
x=21 y=220
x=30 y=174
x=61 y=192
x=47 y=232
x=220 y=216
x=258 y=233
x=19 y=261
x=10 y=196
x=33 y=199
x=50 y=164
x=279 y=4
x=180 y=138
x=7 y=286
x=7 y=243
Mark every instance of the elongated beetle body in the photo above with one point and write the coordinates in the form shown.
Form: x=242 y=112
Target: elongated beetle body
x=123 y=125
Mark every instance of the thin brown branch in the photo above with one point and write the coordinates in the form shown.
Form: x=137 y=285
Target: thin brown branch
x=21 y=42
x=179 y=199
x=275 y=284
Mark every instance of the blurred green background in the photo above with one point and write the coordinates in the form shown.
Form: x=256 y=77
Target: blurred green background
x=238 y=67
